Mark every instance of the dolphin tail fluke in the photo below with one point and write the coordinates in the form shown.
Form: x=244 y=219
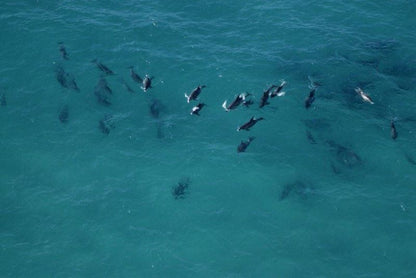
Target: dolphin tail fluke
x=251 y=138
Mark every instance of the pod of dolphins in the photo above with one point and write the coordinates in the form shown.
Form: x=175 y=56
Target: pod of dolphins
x=103 y=93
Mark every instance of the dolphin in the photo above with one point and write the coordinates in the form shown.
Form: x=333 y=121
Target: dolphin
x=310 y=99
x=240 y=99
x=364 y=96
x=102 y=67
x=196 y=109
x=62 y=49
x=147 y=83
x=249 y=124
x=195 y=93
x=277 y=92
x=135 y=76
x=393 y=130
x=244 y=144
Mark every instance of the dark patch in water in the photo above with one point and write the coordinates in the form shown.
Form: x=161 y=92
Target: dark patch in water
x=156 y=107
x=369 y=61
x=310 y=137
x=102 y=67
x=160 y=134
x=335 y=169
x=399 y=69
x=385 y=46
x=344 y=155
x=410 y=159
x=3 y=101
x=317 y=124
x=106 y=124
x=62 y=50
x=298 y=188
x=103 y=92
x=66 y=79
x=181 y=189
x=63 y=114
x=126 y=86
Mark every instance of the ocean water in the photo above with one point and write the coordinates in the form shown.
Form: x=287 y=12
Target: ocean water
x=319 y=192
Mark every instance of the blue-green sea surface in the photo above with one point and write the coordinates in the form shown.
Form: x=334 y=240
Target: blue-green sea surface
x=101 y=179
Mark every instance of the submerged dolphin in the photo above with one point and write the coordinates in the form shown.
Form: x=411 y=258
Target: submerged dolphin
x=102 y=67
x=62 y=49
x=310 y=99
x=249 y=124
x=244 y=144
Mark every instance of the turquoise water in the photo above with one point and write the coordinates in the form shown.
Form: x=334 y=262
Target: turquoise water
x=76 y=202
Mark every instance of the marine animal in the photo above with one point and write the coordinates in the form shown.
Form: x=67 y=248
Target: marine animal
x=244 y=144
x=310 y=137
x=263 y=100
x=63 y=114
x=147 y=83
x=393 y=130
x=106 y=124
x=240 y=99
x=196 y=109
x=102 y=67
x=135 y=76
x=265 y=97
x=310 y=99
x=155 y=108
x=126 y=86
x=363 y=95
x=277 y=92
x=195 y=93
x=62 y=49
x=249 y=124
x=66 y=79
x=180 y=190
x=103 y=92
